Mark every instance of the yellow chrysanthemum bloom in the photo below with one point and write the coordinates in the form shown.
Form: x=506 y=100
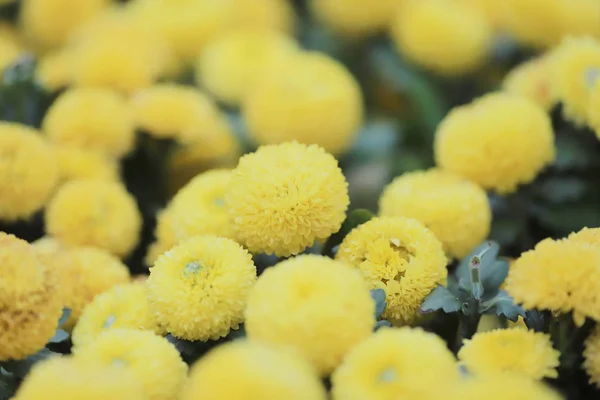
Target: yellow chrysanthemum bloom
x=536 y=23
x=54 y=69
x=76 y=163
x=591 y=355
x=198 y=289
x=576 y=68
x=594 y=109
x=10 y=46
x=93 y=119
x=355 y=17
x=399 y=255
x=561 y=276
x=64 y=378
x=231 y=66
x=123 y=306
x=498 y=141
x=532 y=79
x=493 y=11
x=447 y=37
x=323 y=309
x=455 y=209
x=29 y=303
x=521 y=351
x=231 y=372
x=150 y=358
x=311 y=98
x=282 y=198
x=502 y=387
x=95 y=213
x=396 y=363
x=586 y=235
x=28 y=171
x=277 y=15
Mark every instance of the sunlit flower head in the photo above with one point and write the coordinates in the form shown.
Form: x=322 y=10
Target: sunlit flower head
x=532 y=79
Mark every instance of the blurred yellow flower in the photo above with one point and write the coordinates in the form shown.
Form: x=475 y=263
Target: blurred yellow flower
x=10 y=45
x=594 y=109
x=493 y=10
x=532 y=79
x=502 y=387
x=277 y=15
x=76 y=163
x=535 y=23
x=591 y=355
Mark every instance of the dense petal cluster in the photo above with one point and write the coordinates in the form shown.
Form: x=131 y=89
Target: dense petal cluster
x=355 y=17
x=54 y=69
x=501 y=387
x=591 y=354
x=75 y=163
x=533 y=80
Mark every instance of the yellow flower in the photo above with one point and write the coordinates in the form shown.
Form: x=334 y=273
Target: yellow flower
x=581 y=18
x=447 y=37
x=277 y=15
x=456 y=210
x=232 y=66
x=532 y=80
x=54 y=69
x=10 y=46
x=399 y=255
x=123 y=306
x=29 y=303
x=594 y=109
x=310 y=98
x=28 y=171
x=198 y=289
x=64 y=378
x=282 y=198
x=151 y=359
x=93 y=119
x=576 y=67
x=535 y=23
x=396 y=363
x=249 y=370
x=75 y=163
x=586 y=235
x=499 y=141
x=95 y=213
x=316 y=306
x=561 y=276
x=591 y=354
x=520 y=351
x=493 y=11
x=502 y=387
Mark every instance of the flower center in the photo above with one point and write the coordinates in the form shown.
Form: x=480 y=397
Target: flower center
x=591 y=76
x=109 y=321
x=389 y=375
x=118 y=362
x=400 y=250
x=219 y=202
x=192 y=268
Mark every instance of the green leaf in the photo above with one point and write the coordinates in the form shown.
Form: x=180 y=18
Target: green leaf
x=59 y=336
x=355 y=218
x=494 y=275
x=64 y=317
x=440 y=299
x=378 y=296
x=503 y=305
x=20 y=368
x=486 y=261
x=8 y=386
x=538 y=321
x=382 y=324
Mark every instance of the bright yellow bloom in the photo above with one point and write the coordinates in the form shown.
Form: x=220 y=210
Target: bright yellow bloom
x=586 y=235
x=151 y=359
x=498 y=141
x=581 y=18
x=521 y=351
x=123 y=306
x=28 y=171
x=447 y=37
x=54 y=69
x=396 y=363
x=399 y=255
x=310 y=98
x=322 y=309
x=493 y=11
x=594 y=109
x=502 y=387
x=455 y=209
x=591 y=364
x=198 y=289
x=95 y=213
x=75 y=163
x=532 y=79
x=277 y=15
x=232 y=66
x=282 y=198
x=10 y=46
x=536 y=23
x=29 y=303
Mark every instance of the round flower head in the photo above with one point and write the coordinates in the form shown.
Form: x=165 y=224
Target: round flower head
x=29 y=303
x=282 y=198
x=455 y=209
x=581 y=18
x=274 y=15
x=123 y=306
x=198 y=289
x=10 y=46
x=561 y=276
x=576 y=68
x=586 y=235
x=54 y=69
x=151 y=359
x=535 y=23
x=532 y=80
x=231 y=66
x=95 y=213
x=594 y=108
x=75 y=163
x=399 y=255
x=449 y=38
x=248 y=370
x=310 y=98
x=64 y=378
x=499 y=141
x=355 y=17
x=94 y=119
x=501 y=387
x=28 y=171
x=322 y=309
x=591 y=355
x=520 y=351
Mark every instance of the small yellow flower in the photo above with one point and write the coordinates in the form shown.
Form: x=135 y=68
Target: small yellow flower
x=498 y=141
x=198 y=289
x=275 y=15
x=399 y=255
x=151 y=359
x=502 y=387
x=76 y=163
x=54 y=69
x=532 y=79
x=322 y=309
x=282 y=198
x=455 y=209
x=535 y=23
x=520 y=351
x=396 y=363
x=591 y=354
x=250 y=370
x=10 y=46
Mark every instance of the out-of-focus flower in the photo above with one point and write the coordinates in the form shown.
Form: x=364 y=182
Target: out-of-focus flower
x=396 y=363
x=277 y=15
x=75 y=163
x=493 y=11
x=591 y=355
x=498 y=141
x=447 y=37
x=323 y=309
x=230 y=372
x=10 y=46
x=282 y=198
x=54 y=69
x=501 y=387
x=455 y=209
x=310 y=98
x=28 y=171
x=198 y=289
x=594 y=109
x=535 y=23
x=581 y=18
x=95 y=213
x=532 y=79
x=399 y=255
